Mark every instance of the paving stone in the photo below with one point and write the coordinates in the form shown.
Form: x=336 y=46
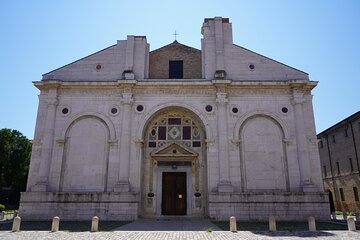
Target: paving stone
x=170 y=235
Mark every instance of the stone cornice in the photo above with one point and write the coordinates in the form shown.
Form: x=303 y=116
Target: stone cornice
x=293 y=84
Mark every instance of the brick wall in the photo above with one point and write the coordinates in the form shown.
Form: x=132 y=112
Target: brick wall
x=341 y=144
x=159 y=61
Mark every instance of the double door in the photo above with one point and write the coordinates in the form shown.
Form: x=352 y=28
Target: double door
x=173 y=193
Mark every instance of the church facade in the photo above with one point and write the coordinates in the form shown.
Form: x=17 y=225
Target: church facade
x=217 y=132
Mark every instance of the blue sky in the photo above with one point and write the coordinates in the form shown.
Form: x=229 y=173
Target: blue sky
x=319 y=37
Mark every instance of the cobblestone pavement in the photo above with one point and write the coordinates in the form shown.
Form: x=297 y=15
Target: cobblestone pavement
x=182 y=235
x=169 y=224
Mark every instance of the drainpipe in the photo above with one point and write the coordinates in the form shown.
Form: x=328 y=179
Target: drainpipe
x=356 y=155
x=331 y=170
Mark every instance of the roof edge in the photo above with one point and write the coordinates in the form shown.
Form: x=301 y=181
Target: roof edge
x=271 y=59
x=78 y=60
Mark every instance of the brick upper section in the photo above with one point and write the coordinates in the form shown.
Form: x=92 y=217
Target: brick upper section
x=159 y=61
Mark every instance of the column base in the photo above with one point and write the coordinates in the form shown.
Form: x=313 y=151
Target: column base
x=309 y=187
x=39 y=187
x=225 y=186
x=122 y=187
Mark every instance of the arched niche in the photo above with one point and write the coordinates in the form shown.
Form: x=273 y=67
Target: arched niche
x=85 y=159
x=263 y=154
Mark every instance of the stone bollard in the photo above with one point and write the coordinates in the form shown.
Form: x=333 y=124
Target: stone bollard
x=16 y=224
x=344 y=216
x=312 y=224
x=55 y=224
x=94 y=224
x=333 y=214
x=351 y=224
x=233 y=227
x=272 y=224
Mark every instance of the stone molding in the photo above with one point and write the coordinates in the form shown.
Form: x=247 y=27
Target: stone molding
x=243 y=118
x=106 y=120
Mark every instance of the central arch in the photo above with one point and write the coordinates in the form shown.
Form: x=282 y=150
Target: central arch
x=174 y=164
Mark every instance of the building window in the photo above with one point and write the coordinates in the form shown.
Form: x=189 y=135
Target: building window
x=325 y=171
x=176 y=69
x=356 y=194
x=333 y=139
x=342 y=196
x=346 y=132
x=338 y=168
x=351 y=164
x=174 y=127
x=321 y=144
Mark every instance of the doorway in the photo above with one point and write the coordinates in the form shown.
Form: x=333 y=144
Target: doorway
x=173 y=193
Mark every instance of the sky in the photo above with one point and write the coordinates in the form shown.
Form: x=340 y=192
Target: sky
x=319 y=37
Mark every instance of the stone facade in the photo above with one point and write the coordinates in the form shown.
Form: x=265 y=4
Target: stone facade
x=240 y=129
x=339 y=148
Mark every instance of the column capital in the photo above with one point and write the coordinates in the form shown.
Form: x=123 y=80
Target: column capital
x=127 y=98
x=52 y=101
x=297 y=101
x=221 y=98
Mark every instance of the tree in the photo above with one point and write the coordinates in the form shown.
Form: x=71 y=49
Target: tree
x=15 y=152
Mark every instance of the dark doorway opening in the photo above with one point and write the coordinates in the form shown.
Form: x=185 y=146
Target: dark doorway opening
x=331 y=202
x=176 y=69
x=173 y=193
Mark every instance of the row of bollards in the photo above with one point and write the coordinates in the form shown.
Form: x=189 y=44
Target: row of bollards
x=311 y=222
x=55 y=224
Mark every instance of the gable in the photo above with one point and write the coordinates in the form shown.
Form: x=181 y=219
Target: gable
x=174 y=150
x=159 y=60
x=244 y=65
x=105 y=65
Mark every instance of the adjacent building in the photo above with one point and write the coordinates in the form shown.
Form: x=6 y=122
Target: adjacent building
x=213 y=132
x=339 y=148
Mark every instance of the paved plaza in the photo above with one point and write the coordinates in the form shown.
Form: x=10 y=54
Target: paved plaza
x=178 y=229
x=200 y=235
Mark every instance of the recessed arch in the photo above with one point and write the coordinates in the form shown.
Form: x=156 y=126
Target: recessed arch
x=107 y=122
x=153 y=112
x=175 y=127
x=84 y=165
x=240 y=122
x=263 y=153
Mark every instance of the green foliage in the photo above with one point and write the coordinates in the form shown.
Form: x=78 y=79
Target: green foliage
x=15 y=152
x=351 y=213
x=2 y=207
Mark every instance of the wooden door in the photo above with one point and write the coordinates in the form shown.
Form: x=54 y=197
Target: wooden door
x=174 y=193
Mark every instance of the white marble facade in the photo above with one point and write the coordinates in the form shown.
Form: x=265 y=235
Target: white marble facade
x=243 y=136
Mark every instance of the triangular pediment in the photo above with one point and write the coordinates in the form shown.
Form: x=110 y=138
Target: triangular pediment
x=174 y=150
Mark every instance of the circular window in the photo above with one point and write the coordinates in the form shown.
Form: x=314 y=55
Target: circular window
x=284 y=110
x=98 y=67
x=252 y=67
x=114 y=110
x=235 y=110
x=65 y=110
x=139 y=108
x=208 y=108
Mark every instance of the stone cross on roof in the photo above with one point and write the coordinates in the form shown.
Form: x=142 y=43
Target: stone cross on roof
x=175 y=34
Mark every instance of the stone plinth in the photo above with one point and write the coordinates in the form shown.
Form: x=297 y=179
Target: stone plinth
x=258 y=206
x=79 y=206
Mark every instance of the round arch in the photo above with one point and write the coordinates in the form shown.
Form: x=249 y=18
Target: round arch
x=189 y=161
x=104 y=119
x=158 y=108
x=242 y=120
